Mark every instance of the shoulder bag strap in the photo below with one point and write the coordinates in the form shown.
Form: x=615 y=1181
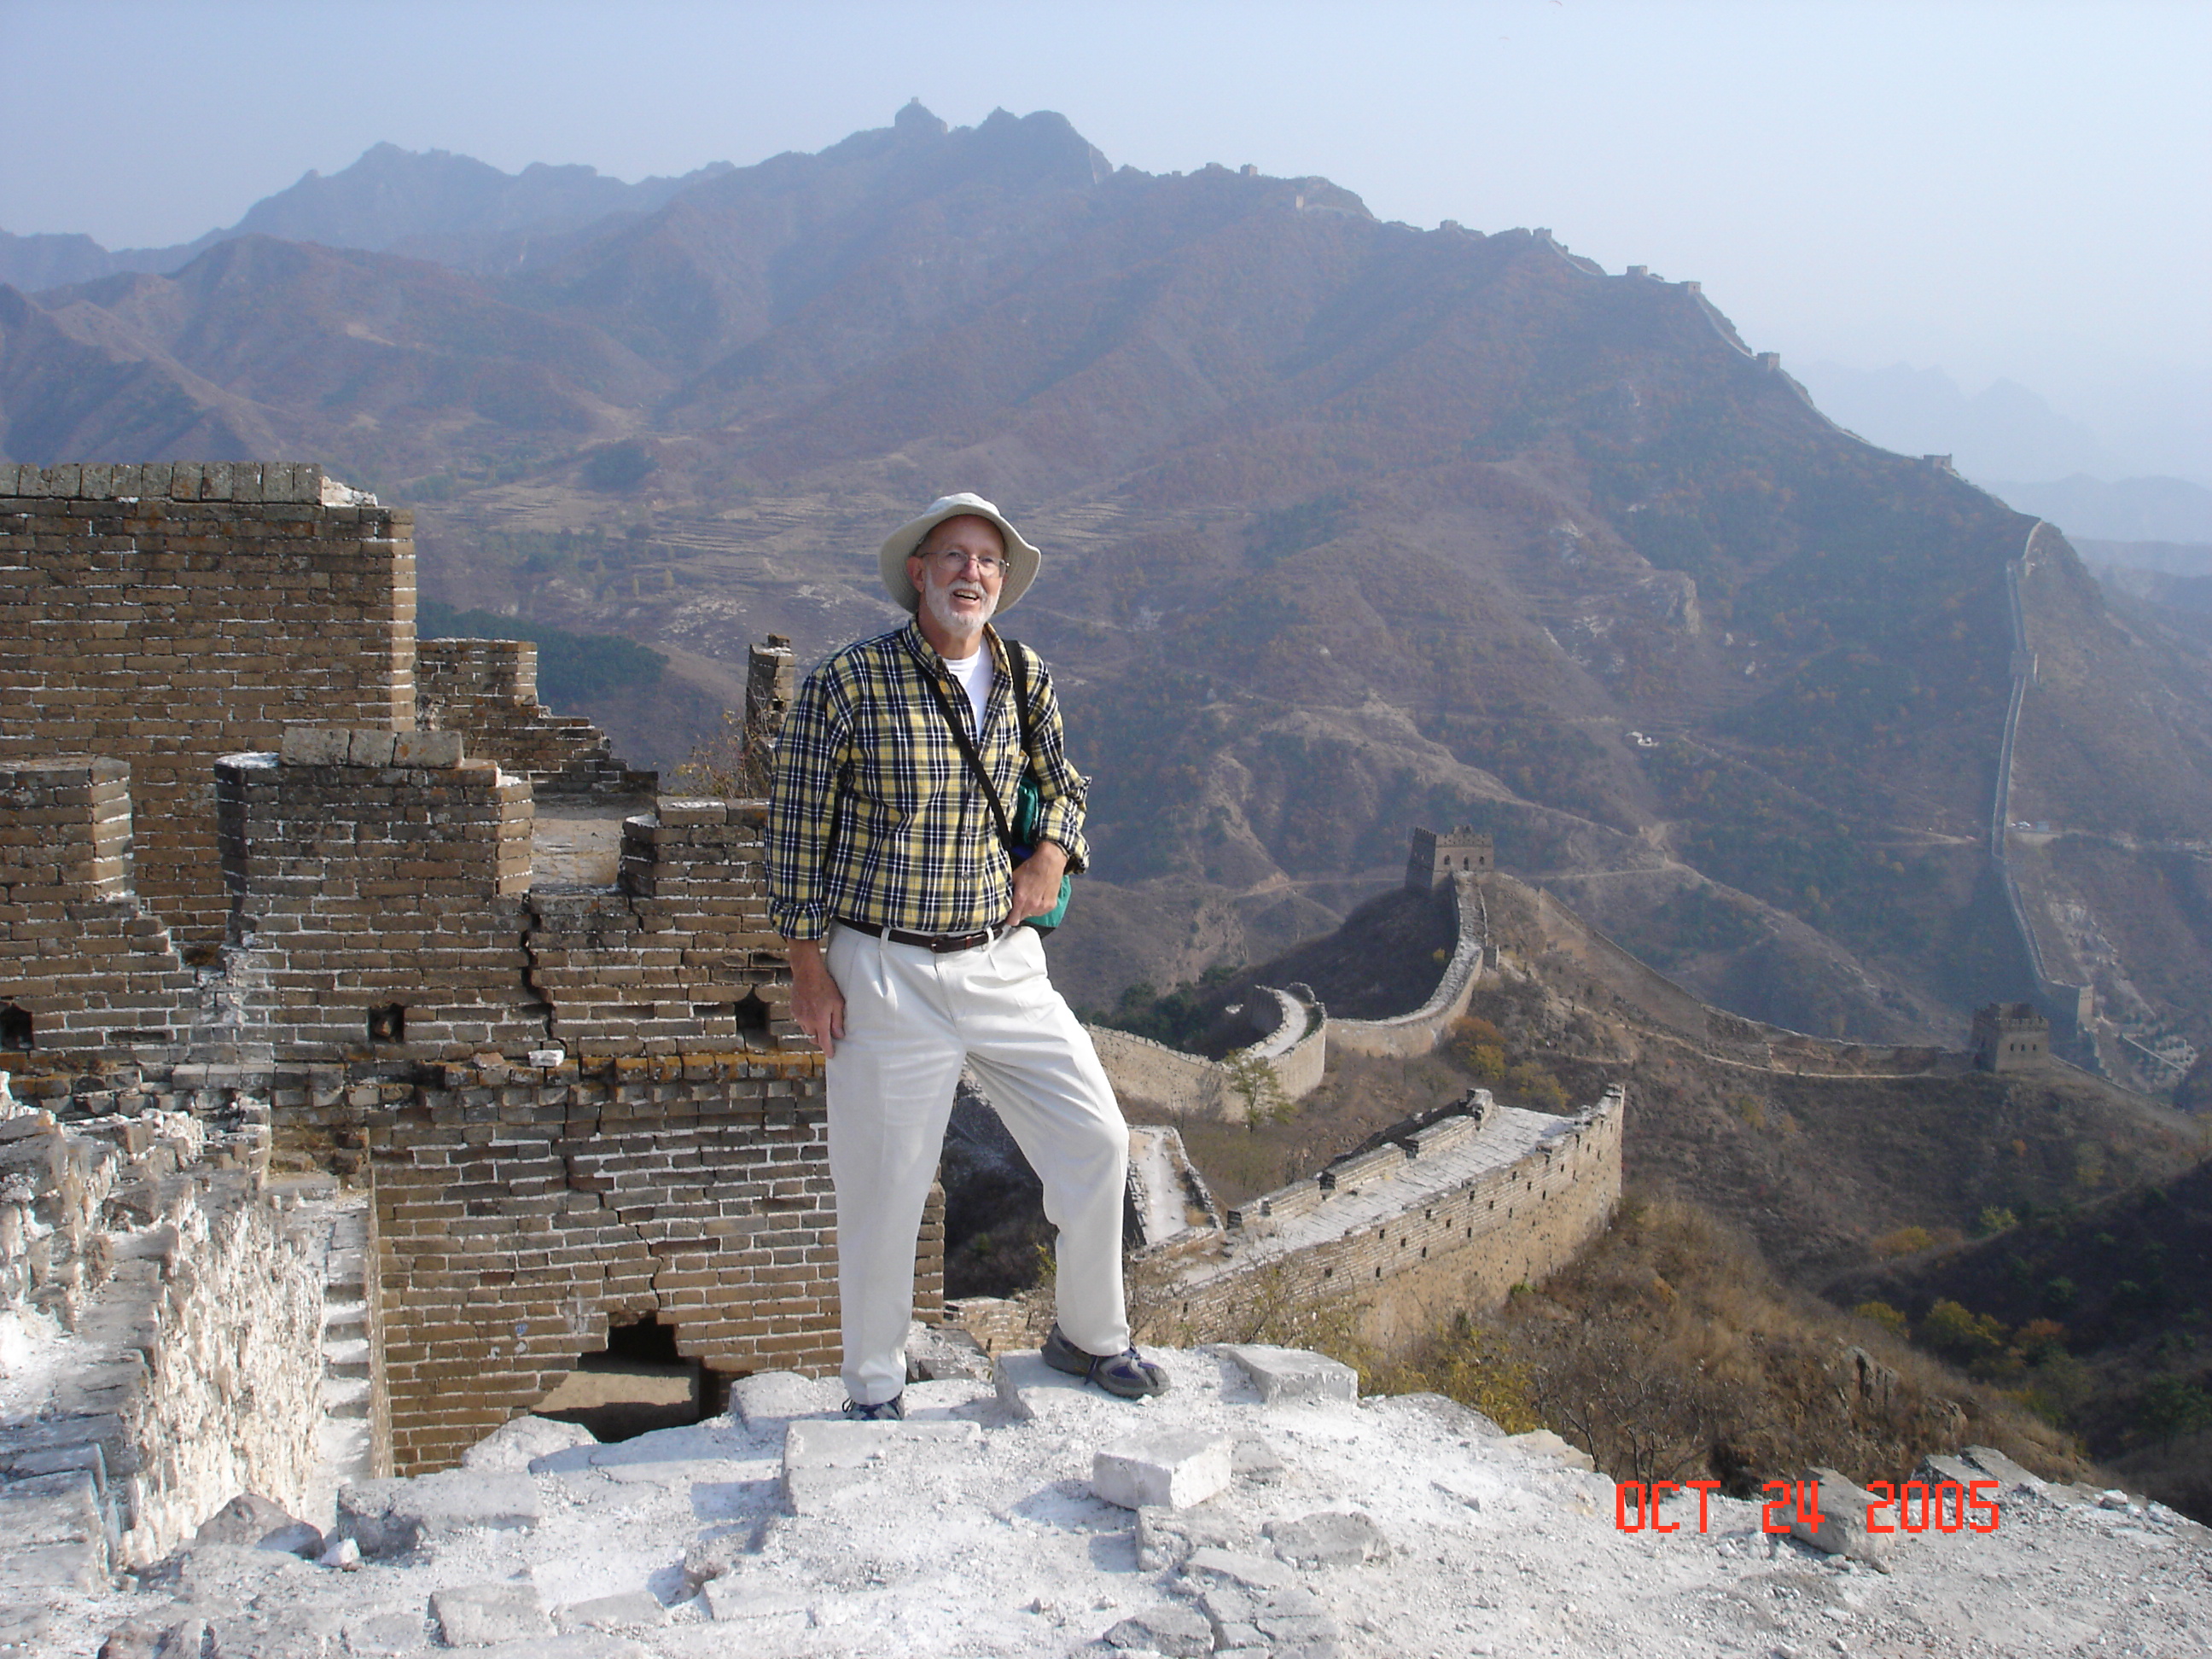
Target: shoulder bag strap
x=1019 y=665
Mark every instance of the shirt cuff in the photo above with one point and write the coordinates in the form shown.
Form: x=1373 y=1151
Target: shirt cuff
x=800 y=921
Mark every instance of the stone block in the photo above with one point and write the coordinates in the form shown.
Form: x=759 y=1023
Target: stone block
x=1210 y=1569
x=426 y=749
x=1329 y=1538
x=52 y=1508
x=1174 y=1468
x=1032 y=1390
x=683 y=814
x=78 y=1566
x=1177 y=1631
x=768 y=1613
x=939 y=1353
x=370 y=748
x=1542 y=1442
x=1287 y=1375
x=1994 y=1463
x=252 y=1521
x=513 y=1445
x=1938 y=1467
x=771 y=1397
x=389 y=1517
x=315 y=745
x=1843 y=1528
x=823 y=1458
x=476 y=1615
x=631 y=1610
x=1168 y=1538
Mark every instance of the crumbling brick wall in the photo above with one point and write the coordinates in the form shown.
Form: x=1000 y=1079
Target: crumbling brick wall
x=487 y=691
x=195 y=1373
x=682 y=956
x=82 y=966
x=164 y=615
x=382 y=877
x=380 y=883
x=522 y=1212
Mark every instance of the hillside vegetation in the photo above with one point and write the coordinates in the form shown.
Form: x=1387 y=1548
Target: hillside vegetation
x=2097 y=1313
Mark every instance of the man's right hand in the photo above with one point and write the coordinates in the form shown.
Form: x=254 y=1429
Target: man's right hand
x=817 y=1005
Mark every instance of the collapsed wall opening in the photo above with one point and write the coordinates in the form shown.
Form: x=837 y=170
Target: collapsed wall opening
x=16 y=1028
x=637 y=1383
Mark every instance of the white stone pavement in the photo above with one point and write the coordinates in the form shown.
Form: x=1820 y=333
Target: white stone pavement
x=1379 y=1527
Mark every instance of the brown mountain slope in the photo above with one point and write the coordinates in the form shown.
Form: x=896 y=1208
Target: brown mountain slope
x=394 y=364
x=1349 y=526
x=76 y=381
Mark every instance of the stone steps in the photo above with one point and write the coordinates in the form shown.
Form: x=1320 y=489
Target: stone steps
x=347 y=1387
x=333 y=1224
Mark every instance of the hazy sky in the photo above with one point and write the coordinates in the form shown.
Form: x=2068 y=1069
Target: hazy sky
x=2007 y=188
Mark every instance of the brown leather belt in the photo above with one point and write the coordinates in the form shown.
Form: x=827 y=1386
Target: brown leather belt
x=942 y=944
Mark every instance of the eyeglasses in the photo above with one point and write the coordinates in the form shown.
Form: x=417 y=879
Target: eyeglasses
x=987 y=564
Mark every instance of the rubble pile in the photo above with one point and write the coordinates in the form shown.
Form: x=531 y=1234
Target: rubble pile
x=159 y=1335
x=1277 y=1515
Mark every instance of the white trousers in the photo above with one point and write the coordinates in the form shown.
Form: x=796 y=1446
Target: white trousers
x=912 y=1018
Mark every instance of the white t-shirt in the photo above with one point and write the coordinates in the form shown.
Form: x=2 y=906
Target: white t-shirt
x=975 y=674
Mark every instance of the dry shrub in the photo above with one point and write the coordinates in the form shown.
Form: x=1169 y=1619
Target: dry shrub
x=1671 y=1351
x=1468 y=1361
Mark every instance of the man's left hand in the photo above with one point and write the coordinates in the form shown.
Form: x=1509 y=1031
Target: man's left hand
x=1036 y=882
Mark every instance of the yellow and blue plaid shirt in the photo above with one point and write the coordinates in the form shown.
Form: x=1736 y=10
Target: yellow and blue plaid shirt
x=874 y=817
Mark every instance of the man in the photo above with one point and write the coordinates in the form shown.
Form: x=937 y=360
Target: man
x=903 y=909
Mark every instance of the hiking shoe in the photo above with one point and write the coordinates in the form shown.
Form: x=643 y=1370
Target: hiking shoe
x=892 y=1410
x=1126 y=1373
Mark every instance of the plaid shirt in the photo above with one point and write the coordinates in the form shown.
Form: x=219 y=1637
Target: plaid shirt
x=874 y=817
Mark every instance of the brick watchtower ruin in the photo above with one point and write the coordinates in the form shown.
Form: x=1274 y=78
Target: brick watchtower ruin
x=1437 y=856
x=2010 y=1036
x=367 y=902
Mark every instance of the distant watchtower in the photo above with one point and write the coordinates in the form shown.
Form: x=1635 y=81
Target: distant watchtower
x=2009 y=1036
x=1436 y=857
x=770 y=676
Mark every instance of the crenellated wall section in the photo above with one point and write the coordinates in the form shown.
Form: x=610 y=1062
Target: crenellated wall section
x=162 y=615
x=576 y=1105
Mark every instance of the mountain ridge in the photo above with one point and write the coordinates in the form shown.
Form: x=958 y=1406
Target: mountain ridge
x=1351 y=526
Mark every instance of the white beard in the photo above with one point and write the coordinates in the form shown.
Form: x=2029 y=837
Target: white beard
x=967 y=626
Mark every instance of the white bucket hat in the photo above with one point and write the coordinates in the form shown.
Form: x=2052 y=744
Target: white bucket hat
x=1021 y=559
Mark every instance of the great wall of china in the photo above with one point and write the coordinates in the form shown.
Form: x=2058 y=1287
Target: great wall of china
x=378 y=1042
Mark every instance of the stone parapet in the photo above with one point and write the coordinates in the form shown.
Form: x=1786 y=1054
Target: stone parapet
x=1447 y=1217
x=381 y=905
x=1418 y=1032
